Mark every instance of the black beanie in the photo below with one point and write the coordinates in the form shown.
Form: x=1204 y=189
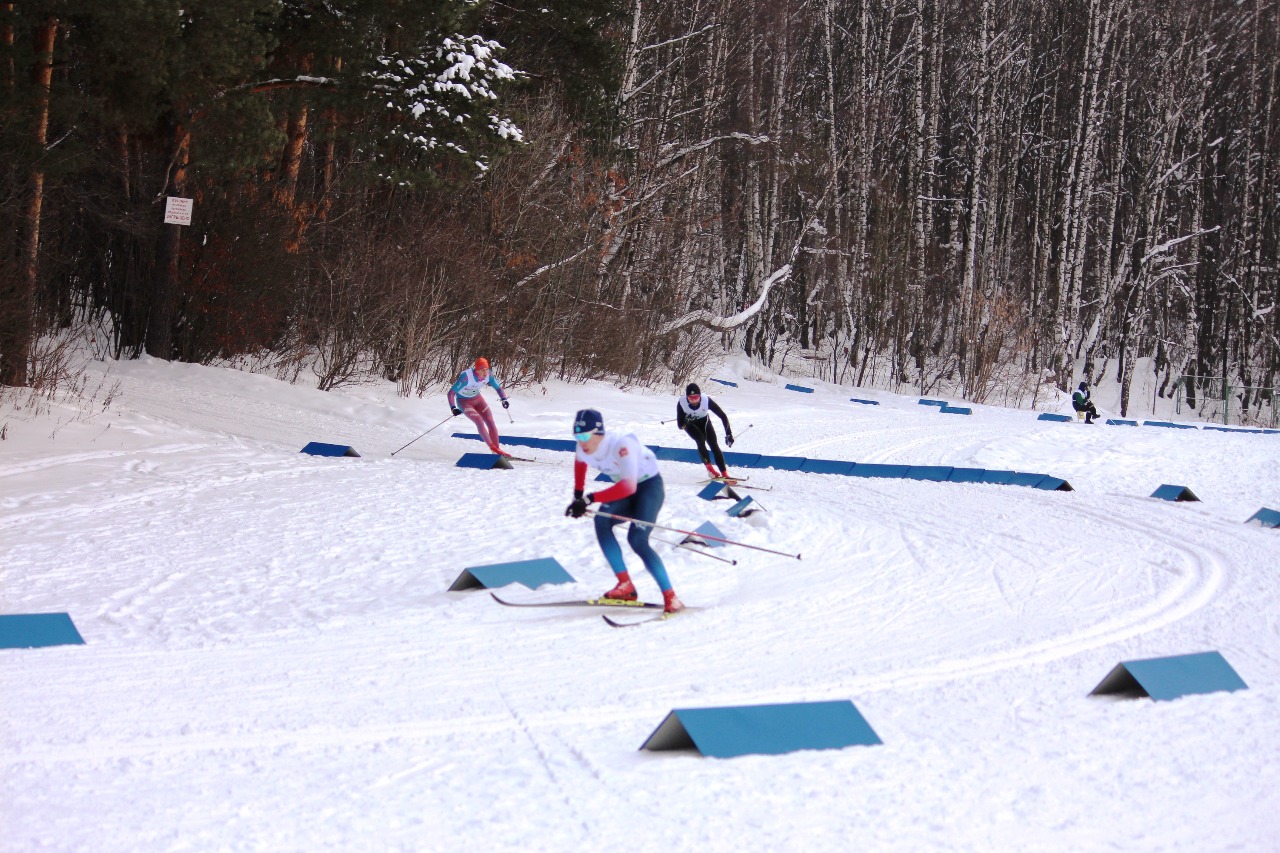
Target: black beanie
x=692 y=388
x=1084 y=385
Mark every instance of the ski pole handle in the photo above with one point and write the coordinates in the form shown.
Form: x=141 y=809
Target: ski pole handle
x=657 y=526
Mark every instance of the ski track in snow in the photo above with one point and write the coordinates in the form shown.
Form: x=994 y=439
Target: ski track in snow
x=274 y=661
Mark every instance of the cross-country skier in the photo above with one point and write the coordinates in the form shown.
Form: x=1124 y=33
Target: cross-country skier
x=636 y=493
x=691 y=416
x=1081 y=403
x=465 y=399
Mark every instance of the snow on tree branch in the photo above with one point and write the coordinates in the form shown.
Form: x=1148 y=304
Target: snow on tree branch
x=444 y=100
x=725 y=324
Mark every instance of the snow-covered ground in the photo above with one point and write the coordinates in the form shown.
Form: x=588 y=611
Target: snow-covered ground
x=273 y=660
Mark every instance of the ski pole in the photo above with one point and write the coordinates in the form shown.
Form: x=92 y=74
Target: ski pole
x=442 y=423
x=685 y=546
x=695 y=534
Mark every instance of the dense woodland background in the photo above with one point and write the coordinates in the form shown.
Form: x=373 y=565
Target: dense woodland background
x=980 y=196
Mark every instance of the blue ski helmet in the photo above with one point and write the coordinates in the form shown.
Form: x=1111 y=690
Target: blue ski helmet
x=587 y=423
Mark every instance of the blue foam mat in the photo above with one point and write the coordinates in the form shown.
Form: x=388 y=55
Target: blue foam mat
x=1168 y=678
x=1169 y=492
x=38 y=630
x=530 y=573
x=319 y=448
x=763 y=729
x=1265 y=518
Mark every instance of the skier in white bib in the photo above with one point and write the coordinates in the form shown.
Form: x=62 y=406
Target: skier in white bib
x=465 y=399
x=692 y=412
x=636 y=493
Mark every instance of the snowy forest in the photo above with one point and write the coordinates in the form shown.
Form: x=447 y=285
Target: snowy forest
x=985 y=197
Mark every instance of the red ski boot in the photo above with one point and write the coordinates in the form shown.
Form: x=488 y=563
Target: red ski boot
x=671 y=604
x=624 y=591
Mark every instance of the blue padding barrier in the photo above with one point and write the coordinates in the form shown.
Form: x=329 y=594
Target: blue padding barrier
x=1167 y=424
x=531 y=573
x=742 y=460
x=825 y=466
x=1050 y=416
x=1174 y=493
x=711 y=491
x=925 y=402
x=1171 y=677
x=934 y=473
x=707 y=529
x=781 y=463
x=675 y=454
x=743 y=508
x=726 y=382
x=319 y=448
x=763 y=729
x=870 y=469
x=1120 y=422
x=799 y=388
x=1054 y=484
x=38 y=630
x=482 y=461
x=864 y=402
x=521 y=441
x=956 y=410
x=931 y=473
x=1265 y=517
x=1236 y=429
x=1271 y=432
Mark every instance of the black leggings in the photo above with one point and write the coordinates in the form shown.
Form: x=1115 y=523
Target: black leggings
x=701 y=431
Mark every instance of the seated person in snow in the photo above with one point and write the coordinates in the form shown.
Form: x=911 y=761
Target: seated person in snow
x=1081 y=403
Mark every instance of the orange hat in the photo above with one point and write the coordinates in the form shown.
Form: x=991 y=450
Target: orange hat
x=482 y=363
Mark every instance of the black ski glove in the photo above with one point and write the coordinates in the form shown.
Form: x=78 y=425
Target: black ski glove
x=578 y=508
x=728 y=439
x=506 y=404
x=456 y=411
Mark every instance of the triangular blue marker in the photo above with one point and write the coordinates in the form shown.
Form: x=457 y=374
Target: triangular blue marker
x=1171 y=677
x=531 y=573
x=708 y=529
x=710 y=491
x=763 y=729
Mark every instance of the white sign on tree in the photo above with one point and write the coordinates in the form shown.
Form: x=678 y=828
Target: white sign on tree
x=177 y=211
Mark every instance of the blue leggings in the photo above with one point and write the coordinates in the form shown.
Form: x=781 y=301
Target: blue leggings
x=642 y=505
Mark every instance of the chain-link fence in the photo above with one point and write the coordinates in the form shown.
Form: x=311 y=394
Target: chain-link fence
x=1213 y=398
